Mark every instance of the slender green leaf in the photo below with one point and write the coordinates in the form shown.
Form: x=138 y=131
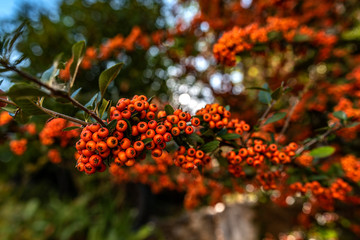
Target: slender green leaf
x=259 y=88
x=111 y=126
x=75 y=93
x=107 y=76
x=340 y=115
x=78 y=51
x=210 y=146
x=23 y=90
x=103 y=107
x=322 y=152
x=70 y=128
x=29 y=107
x=169 y=110
x=230 y=136
x=147 y=141
x=277 y=93
x=276 y=117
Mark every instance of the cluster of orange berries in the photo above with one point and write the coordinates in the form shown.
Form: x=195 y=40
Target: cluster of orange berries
x=53 y=131
x=5 y=118
x=190 y=158
x=337 y=190
x=305 y=159
x=215 y=115
x=18 y=147
x=139 y=126
x=351 y=166
x=54 y=156
x=255 y=154
x=268 y=179
x=238 y=39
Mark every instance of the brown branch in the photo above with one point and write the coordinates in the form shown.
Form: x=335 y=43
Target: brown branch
x=50 y=112
x=319 y=139
x=54 y=92
x=287 y=121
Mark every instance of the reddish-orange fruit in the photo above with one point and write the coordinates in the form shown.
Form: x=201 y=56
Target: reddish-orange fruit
x=200 y=154
x=86 y=135
x=95 y=160
x=80 y=166
x=161 y=129
x=103 y=132
x=189 y=130
x=195 y=121
x=101 y=146
x=134 y=130
x=191 y=152
x=142 y=127
x=89 y=169
x=81 y=144
x=158 y=138
x=182 y=124
x=175 y=131
x=122 y=156
x=161 y=114
x=95 y=137
x=91 y=146
x=156 y=152
x=150 y=133
x=167 y=137
x=130 y=162
x=121 y=125
x=94 y=127
x=152 y=124
x=105 y=154
x=150 y=115
x=207 y=117
x=130 y=152
x=189 y=166
x=153 y=107
x=118 y=135
x=125 y=143
x=86 y=152
x=126 y=114
x=243 y=152
x=246 y=127
x=112 y=142
x=139 y=106
x=139 y=146
x=101 y=167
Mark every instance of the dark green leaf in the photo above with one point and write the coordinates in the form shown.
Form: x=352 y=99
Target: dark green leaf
x=78 y=51
x=276 y=117
x=277 y=93
x=70 y=128
x=340 y=115
x=10 y=108
x=111 y=126
x=169 y=110
x=103 y=107
x=322 y=152
x=193 y=139
x=230 y=136
x=150 y=99
x=210 y=146
x=92 y=100
x=259 y=88
x=354 y=124
x=147 y=141
x=23 y=90
x=21 y=117
x=29 y=107
x=107 y=76
x=75 y=93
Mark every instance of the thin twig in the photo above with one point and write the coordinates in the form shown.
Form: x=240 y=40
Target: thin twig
x=319 y=139
x=53 y=91
x=50 y=112
x=287 y=121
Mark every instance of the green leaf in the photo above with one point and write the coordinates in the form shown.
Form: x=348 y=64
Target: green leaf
x=230 y=136
x=258 y=88
x=78 y=51
x=107 y=76
x=92 y=100
x=193 y=139
x=301 y=38
x=322 y=152
x=264 y=94
x=70 y=128
x=21 y=117
x=147 y=141
x=111 y=126
x=169 y=110
x=150 y=99
x=227 y=107
x=23 y=90
x=210 y=146
x=354 y=124
x=75 y=93
x=276 y=117
x=29 y=107
x=103 y=107
x=10 y=108
x=340 y=115
x=277 y=93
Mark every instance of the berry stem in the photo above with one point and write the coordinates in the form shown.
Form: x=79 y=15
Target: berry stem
x=50 y=112
x=54 y=92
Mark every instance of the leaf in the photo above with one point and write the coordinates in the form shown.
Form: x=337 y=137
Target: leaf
x=21 y=117
x=29 y=107
x=103 y=107
x=107 y=76
x=322 y=152
x=301 y=38
x=264 y=94
x=78 y=51
x=24 y=90
x=277 y=93
x=111 y=126
x=70 y=128
x=92 y=100
x=354 y=124
x=227 y=107
x=150 y=99
x=147 y=141
x=9 y=108
x=276 y=117
x=75 y=93
x=169 y=110
x=193 y=139
x=340 y=115
x=210 y=146
x=259 y=88
x=230 y=136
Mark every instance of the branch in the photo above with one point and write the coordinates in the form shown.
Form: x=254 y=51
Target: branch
x=287 y=121
x=53 y=91
x=50 y=112
x=319 y=139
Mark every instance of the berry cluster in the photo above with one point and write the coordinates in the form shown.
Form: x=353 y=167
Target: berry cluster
x=190 y=158
x=255 y=154
x=215 y=115
x=138 y=126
